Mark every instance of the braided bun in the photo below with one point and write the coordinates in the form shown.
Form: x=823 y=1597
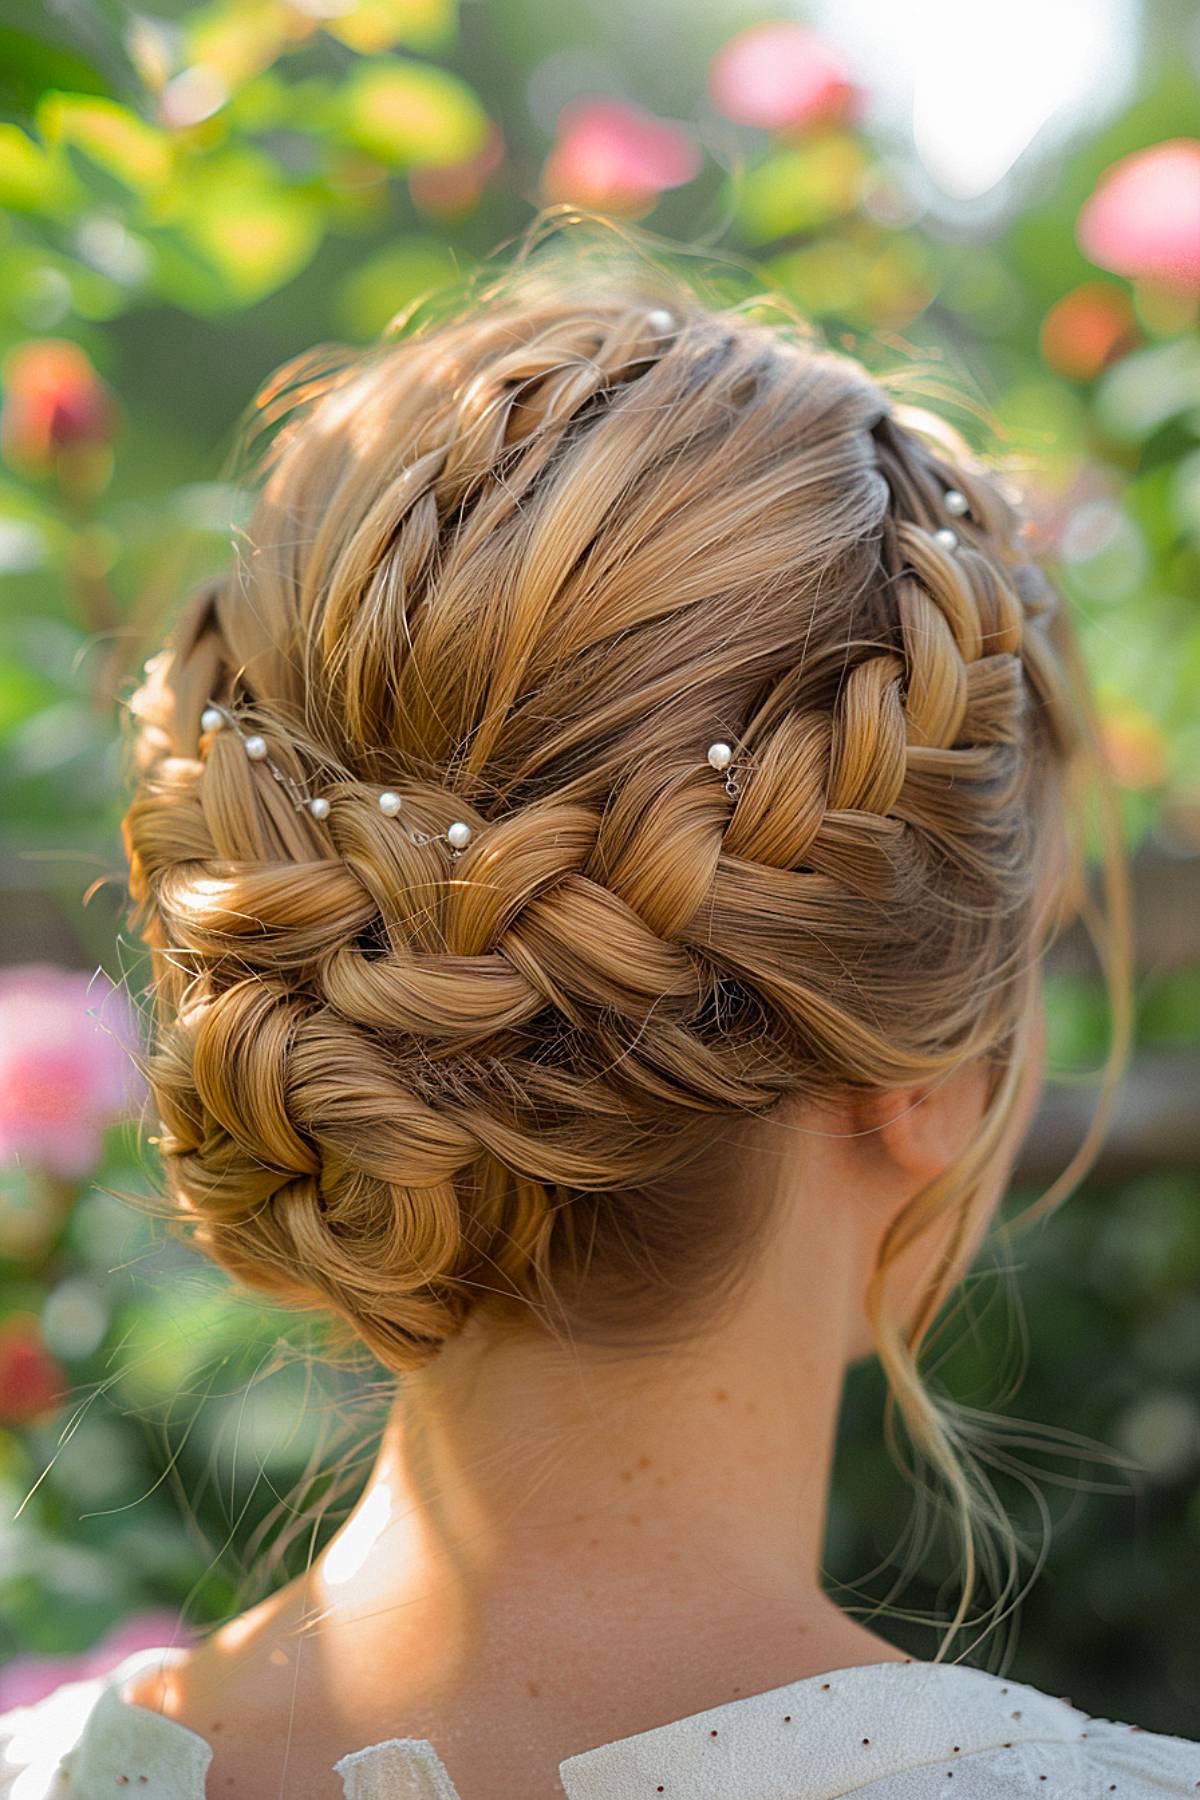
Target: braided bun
x=522 y=567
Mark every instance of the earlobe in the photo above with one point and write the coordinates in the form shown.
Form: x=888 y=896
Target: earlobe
x=920 y=1128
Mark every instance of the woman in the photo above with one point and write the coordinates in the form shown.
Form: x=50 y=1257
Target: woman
x=598 y=847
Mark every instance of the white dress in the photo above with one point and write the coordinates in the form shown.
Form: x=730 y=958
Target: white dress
x=892 y=1731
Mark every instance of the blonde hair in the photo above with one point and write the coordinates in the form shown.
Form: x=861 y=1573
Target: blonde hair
x=523 y=566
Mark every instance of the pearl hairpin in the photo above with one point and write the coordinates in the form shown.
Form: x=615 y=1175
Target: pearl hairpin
x=955 y=502
x=660 y=320
x=391 y=804
x=720 y=758
x=947 y=539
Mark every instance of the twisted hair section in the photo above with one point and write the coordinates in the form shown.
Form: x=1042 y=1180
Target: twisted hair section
x=521 y=568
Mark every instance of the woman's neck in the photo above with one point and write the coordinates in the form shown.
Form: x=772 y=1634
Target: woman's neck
x=522 y=1482
x=558 y=1545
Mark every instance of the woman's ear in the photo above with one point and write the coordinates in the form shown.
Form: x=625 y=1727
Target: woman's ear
x=921 y=1128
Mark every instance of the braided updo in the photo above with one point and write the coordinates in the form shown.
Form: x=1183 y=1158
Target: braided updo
x=522 y=566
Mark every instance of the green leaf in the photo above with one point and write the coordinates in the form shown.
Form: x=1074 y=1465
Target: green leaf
x=86 y=61
x=412 y=115
x=257 y=240
x=30 y=181
x=252 y=230
x=108 y=134
x=237 y=39
x=1185 y=494
x=22 y=693
x=375 y=25
x=76 y=44
x=799 y=189
x=372 y=295
x=827 y=277
x=1148 y=388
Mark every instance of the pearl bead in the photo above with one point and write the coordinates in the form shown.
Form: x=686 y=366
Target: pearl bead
x=946 y=538
x=660 y=321
x=256 y=748
x=390 y=803
x=955 y=502
x=319 y=808
x=459 y=835
x=720 y=756
x=211 y=719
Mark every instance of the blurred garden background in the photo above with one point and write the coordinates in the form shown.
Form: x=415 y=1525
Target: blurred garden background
x=192 y=193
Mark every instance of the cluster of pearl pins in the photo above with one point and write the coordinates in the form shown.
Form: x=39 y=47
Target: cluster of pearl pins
x=720 y=756
x=216 y=718
x=956 y=503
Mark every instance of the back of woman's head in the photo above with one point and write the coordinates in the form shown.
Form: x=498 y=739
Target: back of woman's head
x=520 y=569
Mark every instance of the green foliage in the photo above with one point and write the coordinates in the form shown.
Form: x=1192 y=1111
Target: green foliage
x=409 y=116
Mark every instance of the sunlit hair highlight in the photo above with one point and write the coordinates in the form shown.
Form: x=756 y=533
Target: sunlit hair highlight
x=522 y=564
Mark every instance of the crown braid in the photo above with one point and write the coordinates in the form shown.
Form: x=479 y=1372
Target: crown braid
x=522 y=570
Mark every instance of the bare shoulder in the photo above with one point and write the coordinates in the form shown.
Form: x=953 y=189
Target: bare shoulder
x=244 y=1657
x=255 y=1699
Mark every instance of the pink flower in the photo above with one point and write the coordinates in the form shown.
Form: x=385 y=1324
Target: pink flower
x=1089 y=328
x=65 y=1066
x=1143 y=220
x=781 y=76
x=31 y=1678
x=54 y=401
x=32 y=1382
x=616 y=157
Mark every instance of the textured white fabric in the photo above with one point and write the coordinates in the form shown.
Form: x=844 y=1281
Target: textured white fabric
x=83 y=1738
x=894 y=1731
x=401 y=1769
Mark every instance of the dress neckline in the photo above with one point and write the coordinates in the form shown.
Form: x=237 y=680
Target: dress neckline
x=848 y=1727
